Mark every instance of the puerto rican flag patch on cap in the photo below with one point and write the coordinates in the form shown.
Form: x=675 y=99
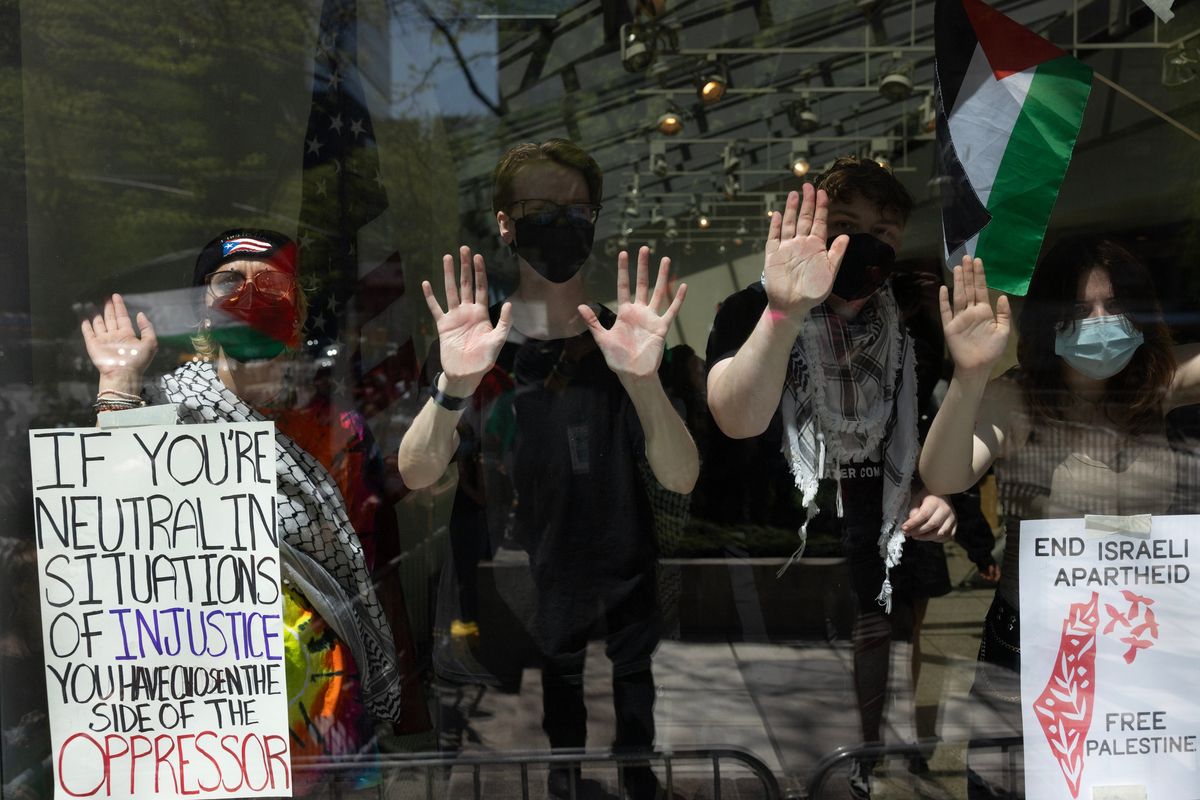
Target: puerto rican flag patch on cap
x=244 y=245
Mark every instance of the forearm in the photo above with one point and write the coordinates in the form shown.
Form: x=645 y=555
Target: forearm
x=429 y=444
x=744 y=391
x=670 y=450
x=947 y=458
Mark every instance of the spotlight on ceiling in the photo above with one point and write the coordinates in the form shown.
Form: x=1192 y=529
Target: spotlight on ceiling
x=638 y=45
x=658 y=159
x=1180 y=65
x=712 y=80
x=656 y=215
x=703 y=221
x=896 y=81
x=798 y=162
x=670 y=122
x=881 y=153
x=672 y=229
x=802 y=116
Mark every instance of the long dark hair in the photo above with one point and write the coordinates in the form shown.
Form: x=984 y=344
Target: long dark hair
x=1135 y=395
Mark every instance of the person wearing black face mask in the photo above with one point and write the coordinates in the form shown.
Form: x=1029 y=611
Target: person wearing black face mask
x=816 y=356
x=565 y=409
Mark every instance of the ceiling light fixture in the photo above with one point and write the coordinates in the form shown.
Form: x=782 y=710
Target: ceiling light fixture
x=670 y=122
x=658 y=159
x=798 y=162
x=896 y=82
x=712 y=80
x=802 y=115
x=638 y=45
x=1180 y=66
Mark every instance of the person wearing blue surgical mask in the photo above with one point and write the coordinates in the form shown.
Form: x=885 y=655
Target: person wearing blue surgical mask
x=1077 y=428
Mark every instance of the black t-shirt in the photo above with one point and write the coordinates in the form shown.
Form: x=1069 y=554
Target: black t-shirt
x=553 y=442
x=760 y=459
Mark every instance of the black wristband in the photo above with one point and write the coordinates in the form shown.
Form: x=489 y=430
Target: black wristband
x=448 y=402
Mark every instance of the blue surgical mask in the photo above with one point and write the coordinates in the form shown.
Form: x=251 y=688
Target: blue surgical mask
x=1098 y=347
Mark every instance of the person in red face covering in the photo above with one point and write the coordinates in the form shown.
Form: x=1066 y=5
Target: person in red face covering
x=344 y=670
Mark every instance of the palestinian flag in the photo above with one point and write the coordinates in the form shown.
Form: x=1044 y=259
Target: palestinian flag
x=1009 y=106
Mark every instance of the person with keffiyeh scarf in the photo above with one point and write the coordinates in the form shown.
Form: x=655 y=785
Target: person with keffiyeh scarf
x=817 y=353
x=345 y=674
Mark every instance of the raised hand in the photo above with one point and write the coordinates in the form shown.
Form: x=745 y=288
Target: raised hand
x=633 y=346
x=974 y=335
x=120 y=351
x=799 y=267
x=468 y=341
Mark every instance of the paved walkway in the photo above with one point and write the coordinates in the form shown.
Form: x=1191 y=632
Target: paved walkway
x=788 y=703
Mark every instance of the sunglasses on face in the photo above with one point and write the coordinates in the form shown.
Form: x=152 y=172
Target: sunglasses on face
x=547 y=212
x=269 y=282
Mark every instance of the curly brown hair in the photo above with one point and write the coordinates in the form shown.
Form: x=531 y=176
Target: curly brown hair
x=849 y=176
x=1135 y=395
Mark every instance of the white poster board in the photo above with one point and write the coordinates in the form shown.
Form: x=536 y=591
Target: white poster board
x=1110 y=653
x=158 y=566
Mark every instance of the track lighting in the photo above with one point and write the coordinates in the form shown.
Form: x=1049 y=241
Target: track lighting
x=896 y=82
x=712 y=80
x=798 y=163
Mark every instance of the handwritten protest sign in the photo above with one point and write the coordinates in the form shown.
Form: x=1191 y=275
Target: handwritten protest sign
x=158 y=559
x=1109 y=614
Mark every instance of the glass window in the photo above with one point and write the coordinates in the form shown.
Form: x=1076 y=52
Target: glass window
x=650 y=399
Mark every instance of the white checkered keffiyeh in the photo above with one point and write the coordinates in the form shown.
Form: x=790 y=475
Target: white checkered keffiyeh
x=319 y=547
x=860 y=400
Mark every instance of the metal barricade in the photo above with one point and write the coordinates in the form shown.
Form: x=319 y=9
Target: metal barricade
x=1008 y=745
x=435 y=771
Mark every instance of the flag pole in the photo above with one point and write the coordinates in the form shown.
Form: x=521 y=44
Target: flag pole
x=1152 y=109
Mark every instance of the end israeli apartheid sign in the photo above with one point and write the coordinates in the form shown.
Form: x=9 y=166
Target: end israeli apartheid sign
x=158 y=564
x=1109 y=613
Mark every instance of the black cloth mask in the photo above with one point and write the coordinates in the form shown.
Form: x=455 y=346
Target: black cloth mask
x=866 y=265
x=555 y=251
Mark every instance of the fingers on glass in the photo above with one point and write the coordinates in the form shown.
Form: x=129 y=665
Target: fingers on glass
x=944 y=305
x=790 y=210
x=804 y=223
x=504 y=323
x=622 y=277
x=466 y=276
x=837 y=251
x=661 y=285
x=676 y=304
x=481 y=287
x=431 y=301
x=820 y=215
x=146 y=327
x=775 y=228
x=590 y=319
x=641 y=292
x=121 y=312
x=450 y=282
